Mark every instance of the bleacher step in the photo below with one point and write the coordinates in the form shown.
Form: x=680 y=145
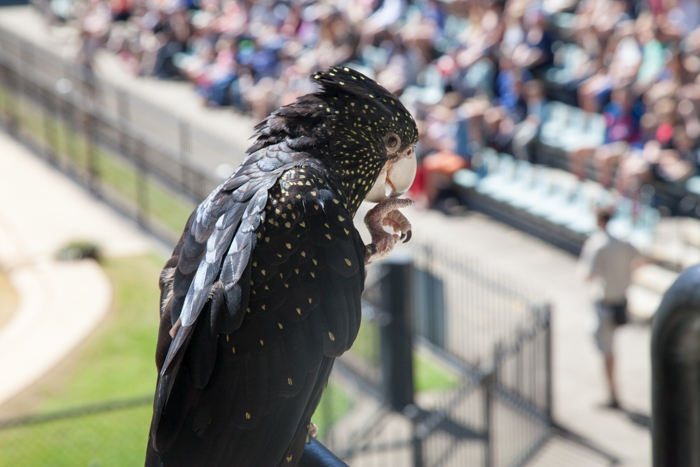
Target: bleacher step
x=674 y=255
x=690 y=230
x=642 y=303
x=654 y=277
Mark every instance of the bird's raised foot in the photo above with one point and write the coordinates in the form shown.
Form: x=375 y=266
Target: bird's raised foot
x=386 y=213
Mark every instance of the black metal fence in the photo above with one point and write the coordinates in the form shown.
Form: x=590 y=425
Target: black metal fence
x=111 y=433
x=151 y=164
x=482 y=371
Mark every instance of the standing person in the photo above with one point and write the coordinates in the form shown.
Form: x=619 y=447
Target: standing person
x=608 y=262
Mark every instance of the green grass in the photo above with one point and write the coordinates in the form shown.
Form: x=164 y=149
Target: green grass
x=335 y=402
x=115 y=363
x=429 y=374
x=106 y=439
x=366 y=343
x=171 y=210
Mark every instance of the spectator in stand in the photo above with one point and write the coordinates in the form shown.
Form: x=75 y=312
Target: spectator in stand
x=483 y=55
x=535 y=52
x=621 y=127
x=526 y=131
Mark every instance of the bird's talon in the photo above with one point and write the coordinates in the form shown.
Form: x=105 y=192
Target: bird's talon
x=386 y=213
x=313 y=430
x=408 y=236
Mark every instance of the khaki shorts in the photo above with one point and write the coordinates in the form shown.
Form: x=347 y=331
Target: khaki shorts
x=606 y=328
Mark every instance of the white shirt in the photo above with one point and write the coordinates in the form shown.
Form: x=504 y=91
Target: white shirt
x=609 y=261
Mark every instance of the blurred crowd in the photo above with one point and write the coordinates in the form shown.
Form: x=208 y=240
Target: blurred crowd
x=475 y=73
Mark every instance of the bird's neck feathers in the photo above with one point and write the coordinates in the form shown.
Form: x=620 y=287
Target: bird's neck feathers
x=325 y=130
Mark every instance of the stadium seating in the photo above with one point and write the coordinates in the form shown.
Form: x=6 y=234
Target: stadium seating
x=552 y=200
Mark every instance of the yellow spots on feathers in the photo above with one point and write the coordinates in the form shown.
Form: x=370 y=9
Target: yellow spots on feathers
x=299 y=311
x=233 y=349
x=261 y=342
x=348 y=262
x=247 y=416
x=289 y=381
x=288 y=245
x=280 y=325
x=330 y=334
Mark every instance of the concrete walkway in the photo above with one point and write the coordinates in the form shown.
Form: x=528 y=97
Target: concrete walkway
x=60 y=302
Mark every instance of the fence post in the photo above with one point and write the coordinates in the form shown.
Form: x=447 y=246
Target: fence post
x=184 y=133
x=50 y=120
x=487 y=382
x=11 y=101
x=91 y=150
x=548 y=361
x=675 y=374
x=417 y=444
x=396 y=300
x=90 y=121
x=141 y=184
x=124 y=118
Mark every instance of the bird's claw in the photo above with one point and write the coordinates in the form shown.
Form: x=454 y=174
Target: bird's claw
x=397 y=221
x=313 y=430
x=386 y=213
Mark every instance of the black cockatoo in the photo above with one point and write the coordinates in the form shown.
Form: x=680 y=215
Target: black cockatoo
x=262 y=292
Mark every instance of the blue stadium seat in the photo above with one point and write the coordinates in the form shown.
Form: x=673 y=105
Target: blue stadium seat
x=622 y=224
x=557 y=201
x=519 y=184
x=498 y=179
x=539 y=190
x=645 y=228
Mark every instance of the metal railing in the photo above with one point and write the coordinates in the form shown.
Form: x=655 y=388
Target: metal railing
x=486 y=341
x=136 y=155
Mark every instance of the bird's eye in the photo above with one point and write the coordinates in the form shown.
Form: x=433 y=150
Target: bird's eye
x=392 y=142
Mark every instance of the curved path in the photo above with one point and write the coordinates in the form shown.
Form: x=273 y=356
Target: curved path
x=60 y=303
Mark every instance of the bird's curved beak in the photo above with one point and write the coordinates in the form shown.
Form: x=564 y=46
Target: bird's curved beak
x=395 y=178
